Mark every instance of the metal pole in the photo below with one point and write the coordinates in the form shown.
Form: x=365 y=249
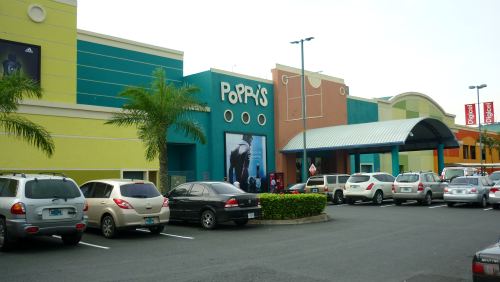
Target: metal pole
x=304 y=152
x=480 y=135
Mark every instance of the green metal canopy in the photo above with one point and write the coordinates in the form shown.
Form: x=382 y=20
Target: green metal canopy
x=377 y=137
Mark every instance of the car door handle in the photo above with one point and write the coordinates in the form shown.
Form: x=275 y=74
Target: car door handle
x=103 y=202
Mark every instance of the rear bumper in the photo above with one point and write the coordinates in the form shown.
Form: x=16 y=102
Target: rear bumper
x=236 y=213
x=493 y=199
x=131 y=219
x=359 y=195
x=408 y=196
x=469 y=198
x=17 y=227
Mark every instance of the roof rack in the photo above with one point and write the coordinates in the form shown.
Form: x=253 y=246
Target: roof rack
x=53 y=173
x=13 y=173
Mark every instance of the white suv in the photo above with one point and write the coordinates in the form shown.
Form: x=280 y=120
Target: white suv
x=375 y=187
x=40 y=204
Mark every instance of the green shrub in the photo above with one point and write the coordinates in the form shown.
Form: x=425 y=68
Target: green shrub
x=291 y=206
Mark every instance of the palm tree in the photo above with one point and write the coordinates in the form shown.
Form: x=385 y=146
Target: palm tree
x=154 y=111
x=13 y=89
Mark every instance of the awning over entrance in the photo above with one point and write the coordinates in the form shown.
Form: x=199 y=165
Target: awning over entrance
x=377 y=137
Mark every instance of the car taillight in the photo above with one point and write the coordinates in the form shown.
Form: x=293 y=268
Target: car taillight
x=446 y=190
x=165 y=202
x=123 y=204
x=231 y=203
x=477 y=267
x=295 y=192
x=420 y=187
x=494 y=190
x=86 y=206
x=326 y=188
x=370 y=186
x=393 y=188
x=473 y=190
x=80 y=226
x=32 y=229
x=18 y=208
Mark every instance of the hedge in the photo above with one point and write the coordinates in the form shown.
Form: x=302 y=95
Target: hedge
x=291 y=206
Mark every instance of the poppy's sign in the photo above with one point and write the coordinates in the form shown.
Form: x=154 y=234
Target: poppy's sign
x=241 y=93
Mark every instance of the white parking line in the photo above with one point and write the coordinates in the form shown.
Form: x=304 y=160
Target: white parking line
x=387 y=206
x=170 y=235
x=487 y=209
x=342 y=205
x=435 y=207
x=86 y=244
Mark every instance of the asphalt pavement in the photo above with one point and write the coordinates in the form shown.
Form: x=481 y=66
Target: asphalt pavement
x=363 y=242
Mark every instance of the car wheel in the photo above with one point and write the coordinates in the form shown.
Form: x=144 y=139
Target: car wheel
x=428 y=199
x=378 y=199
x=483 y=203
x=350 y=201
x=496 y=206
x=397 y=202
x=208 y=220
x=241 y=222
x=108 y=227
x=450 y=204
x=156 y=229
x=338 y=198
x=5 y=243
x=71 y=239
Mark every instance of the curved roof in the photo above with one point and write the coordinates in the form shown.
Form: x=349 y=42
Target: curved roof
x=377 y=137
x=394 y=99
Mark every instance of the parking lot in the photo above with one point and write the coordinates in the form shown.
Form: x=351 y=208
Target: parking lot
x=363 y=242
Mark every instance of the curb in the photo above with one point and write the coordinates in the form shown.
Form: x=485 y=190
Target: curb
x=312 y=219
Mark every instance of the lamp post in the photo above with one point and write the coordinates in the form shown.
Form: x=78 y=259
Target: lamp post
x=479 y=123
x=303 y=92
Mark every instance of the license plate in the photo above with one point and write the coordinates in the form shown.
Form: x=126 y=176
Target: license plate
x=491 y=269
x=55 y=212
x=459 y=191
x=354 y=186
x=149 y=220
x=314 y=190
x=251 y=215
x=406 y=189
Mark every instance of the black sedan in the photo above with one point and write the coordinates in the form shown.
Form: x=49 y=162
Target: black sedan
x=297 y=188
x=486 y=264
x=211 y=203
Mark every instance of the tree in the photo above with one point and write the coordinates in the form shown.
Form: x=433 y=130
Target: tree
x=154 y=111
x=490 y=142
x=13 y=89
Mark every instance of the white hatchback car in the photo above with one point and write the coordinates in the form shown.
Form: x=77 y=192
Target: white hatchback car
x=375 y=187
x=115 y=204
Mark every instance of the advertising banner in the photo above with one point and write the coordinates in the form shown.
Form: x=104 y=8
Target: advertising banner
x=20 y=57
x=489 y=113
x=246 y=161
x=470 y=114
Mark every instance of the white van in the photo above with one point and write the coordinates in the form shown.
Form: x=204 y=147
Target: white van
x=451 y=172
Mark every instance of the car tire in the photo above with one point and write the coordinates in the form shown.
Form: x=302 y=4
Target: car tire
x=450 y=204
x=108 y=227
x=428 y=199
x=338 y=198
x=241 y=222
x=208 y=219
x=350 y=201
x=5 y=242
x=484 y=202
x=378 y=198
x=398 y=202
x=156 y=229
x=71 y=239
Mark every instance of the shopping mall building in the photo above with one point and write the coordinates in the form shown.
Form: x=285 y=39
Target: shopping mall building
x=255 y=121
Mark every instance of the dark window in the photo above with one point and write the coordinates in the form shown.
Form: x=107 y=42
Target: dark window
x=380 y=177
x=226 y=188
x=87 y=190
x=473 y=152
x=180 y=191
x=343 y=179
x=139 y=190
x=102 y=190
x=436 y=177
x=315 y=181
x=389 y=178
x=358 y=178
x=465 y=150
x=133 y=175
x=51 y=188
x=407 y=178
x=8 y=187
x=331 y=179
x=197 y=190
x=464 y=181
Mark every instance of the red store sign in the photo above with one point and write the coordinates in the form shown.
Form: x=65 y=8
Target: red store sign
x=470 y=114
x=489 y=113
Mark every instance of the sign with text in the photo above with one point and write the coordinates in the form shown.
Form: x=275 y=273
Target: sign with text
x=18 y=57
x=489 y=113
x=470 y=114
x=241 y=93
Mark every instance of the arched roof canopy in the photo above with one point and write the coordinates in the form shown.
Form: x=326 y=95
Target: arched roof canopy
x=377 y=137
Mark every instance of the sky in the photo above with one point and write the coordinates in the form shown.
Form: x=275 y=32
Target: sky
x=379 y=47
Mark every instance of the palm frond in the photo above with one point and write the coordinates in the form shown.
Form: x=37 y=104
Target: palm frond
x=191 y=129
x=29 y=131
x=16 y=87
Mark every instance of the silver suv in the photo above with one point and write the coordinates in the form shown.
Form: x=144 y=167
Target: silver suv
x=420 y=186
x=40 y=204
x=332 y=185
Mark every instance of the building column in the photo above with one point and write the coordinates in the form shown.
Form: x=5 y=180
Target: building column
x=357 y=162
x=395 y=160
x=440 y=153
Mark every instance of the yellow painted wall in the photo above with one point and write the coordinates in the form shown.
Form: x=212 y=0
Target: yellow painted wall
x=57 y=38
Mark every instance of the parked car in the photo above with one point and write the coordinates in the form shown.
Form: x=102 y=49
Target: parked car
x=40 y=204
x=420 y=186
x=449 y=173
x=116 y=204
x=495 y=177
x=468 y=189
x=494 y=196
x=375 y=186
x=332 y=185
x=297 y=188
x=486 y=264
x=211 y=203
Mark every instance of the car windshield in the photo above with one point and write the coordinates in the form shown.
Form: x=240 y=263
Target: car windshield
x=226 y=188
x=358 y=178
x=495 y=176
x=51 y=188
x=464 y=181
x=297 y=186
x=139 y=190
x=315 y=181
x=451 y=173
x=407 y=178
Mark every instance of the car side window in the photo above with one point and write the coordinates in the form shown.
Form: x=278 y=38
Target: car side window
x=380 y=177
x=100 y=190
x=87 y=190
x=108 y=190
x=180 y=191
x=8 y=187
x=343 y=179
x=436 y=177
x=196 y=190
x=331 y=180
x=389 y=178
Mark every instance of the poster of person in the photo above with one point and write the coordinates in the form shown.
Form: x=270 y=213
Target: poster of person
x=246 y=161
x=17 y=57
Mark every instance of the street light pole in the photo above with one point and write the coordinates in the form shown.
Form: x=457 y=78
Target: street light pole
x=303 y=92
x=479 y=123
